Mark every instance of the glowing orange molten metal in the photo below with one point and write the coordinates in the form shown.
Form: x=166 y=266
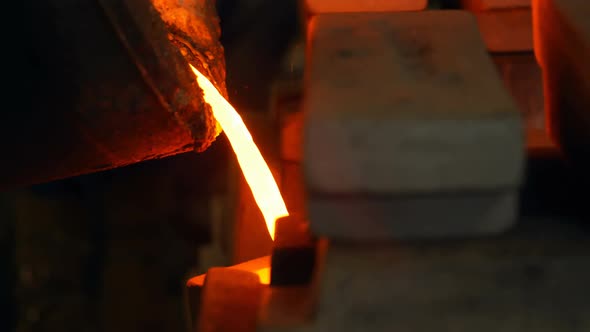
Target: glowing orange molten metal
x=264 y=188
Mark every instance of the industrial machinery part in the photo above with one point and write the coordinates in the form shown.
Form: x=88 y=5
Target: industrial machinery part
x=109 y=87
x=391 y=280
x=436 y=151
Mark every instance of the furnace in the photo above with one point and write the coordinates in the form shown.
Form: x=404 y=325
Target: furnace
x=403 y=150
x=382 y=190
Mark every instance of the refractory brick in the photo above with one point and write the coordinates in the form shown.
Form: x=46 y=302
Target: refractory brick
x=373 y=218
x=406 y=103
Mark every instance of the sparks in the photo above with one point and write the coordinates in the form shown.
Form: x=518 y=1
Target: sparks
x=258 y=176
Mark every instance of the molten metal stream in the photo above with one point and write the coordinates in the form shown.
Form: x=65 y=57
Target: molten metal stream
x=264 y=188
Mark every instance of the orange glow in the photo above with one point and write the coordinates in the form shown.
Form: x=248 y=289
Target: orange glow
x=264 y=188
x=264 y=275
x=316 y=7
x=260 y=266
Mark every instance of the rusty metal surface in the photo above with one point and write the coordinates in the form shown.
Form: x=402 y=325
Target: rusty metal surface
x=197 y=38
x=108 y=89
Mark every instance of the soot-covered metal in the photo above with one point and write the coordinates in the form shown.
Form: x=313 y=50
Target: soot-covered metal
x=109 y=88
